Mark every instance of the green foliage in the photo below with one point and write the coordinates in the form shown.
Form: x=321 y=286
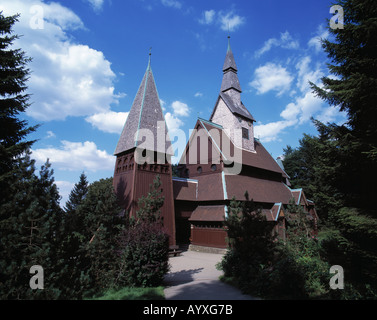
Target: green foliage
x=30 y=233
x=144 y=255
x=127 y=293
x=150 y=205
x=144 y=246
x=13 y=102
x=99 y=222
x=252 y=245
x=77 y=194
x=343 y=166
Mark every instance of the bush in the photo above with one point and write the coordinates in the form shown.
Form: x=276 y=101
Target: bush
x=143 y=255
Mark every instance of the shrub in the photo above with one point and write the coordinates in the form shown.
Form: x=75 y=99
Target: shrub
x=143 y=255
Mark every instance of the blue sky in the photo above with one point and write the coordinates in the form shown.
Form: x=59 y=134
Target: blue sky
x=89 y=57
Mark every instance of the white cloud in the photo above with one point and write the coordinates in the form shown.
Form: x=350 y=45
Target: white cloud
x=50 y=134
x=270 y=131
x=286 y=41
x=74 y=156
x=173 y=122
x=198 y=94
x=68 y=79
x=180 y=108
x=96 y=4
x=305 y=74
x=172 y=3
x=315 y=42
x=110 y=121
x=271 y=77
x=208 y=17
x=230 y=21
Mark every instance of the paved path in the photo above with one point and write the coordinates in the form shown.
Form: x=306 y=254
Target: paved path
x=193 y=276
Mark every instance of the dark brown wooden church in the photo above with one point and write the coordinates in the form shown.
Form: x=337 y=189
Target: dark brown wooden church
x=222 y=160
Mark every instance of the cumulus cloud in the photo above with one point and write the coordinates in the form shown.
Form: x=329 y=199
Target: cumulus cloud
x=271 y=77
x=68 y=79
x=270 y=131
x=173 y=122
x=110 y=121
x=315 y=42
x=74 y=156
x=180 y=108
x=228 y=21
x=285 y=41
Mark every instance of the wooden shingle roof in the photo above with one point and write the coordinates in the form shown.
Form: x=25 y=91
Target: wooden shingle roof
x=145 y=116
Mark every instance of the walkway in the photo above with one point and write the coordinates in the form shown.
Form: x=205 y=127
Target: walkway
x=193 y=276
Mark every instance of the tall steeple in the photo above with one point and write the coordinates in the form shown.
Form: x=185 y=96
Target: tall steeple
x=230 y=83
x=145 y=114
x=229 y=111
x=145 y=129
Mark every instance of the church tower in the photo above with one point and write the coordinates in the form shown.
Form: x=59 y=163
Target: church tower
x=143 y=152
x=229 y=111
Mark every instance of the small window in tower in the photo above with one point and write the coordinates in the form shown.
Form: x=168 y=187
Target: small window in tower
x=213 y=167
x=245 y=133
x=200 y=169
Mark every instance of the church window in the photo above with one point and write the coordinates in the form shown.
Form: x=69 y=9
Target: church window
x=213 y=167
x=245 y=133
x=199 y=169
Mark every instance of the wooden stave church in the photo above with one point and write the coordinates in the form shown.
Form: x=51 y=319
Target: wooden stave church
x=195 y=203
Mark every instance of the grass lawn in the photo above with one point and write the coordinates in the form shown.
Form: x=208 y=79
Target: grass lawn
x=127 y=293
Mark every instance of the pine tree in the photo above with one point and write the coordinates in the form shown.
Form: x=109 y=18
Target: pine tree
x=351 y=86
x=77 y=194
x=99 y=222
x=13 y=102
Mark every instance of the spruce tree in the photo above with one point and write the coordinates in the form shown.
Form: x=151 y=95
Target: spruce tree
x=77 y=194
x=351 y=86
x=13 y=102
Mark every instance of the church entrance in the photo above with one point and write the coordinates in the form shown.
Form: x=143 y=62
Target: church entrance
x=182 y=231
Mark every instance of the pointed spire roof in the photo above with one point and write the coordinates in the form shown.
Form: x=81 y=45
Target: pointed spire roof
x=146 y=113
x=230 y=78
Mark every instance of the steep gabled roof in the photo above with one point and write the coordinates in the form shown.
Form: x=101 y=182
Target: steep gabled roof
x=238 y=109
x=146 y=113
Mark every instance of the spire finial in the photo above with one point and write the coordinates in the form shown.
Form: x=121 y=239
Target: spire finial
x=149 y=61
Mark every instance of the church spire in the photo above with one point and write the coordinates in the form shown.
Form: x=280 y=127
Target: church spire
x=145 y=114
x=230 y=78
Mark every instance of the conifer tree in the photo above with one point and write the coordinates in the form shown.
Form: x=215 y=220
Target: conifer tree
x=351 y=86
x=77 y=194
x=13 y=102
